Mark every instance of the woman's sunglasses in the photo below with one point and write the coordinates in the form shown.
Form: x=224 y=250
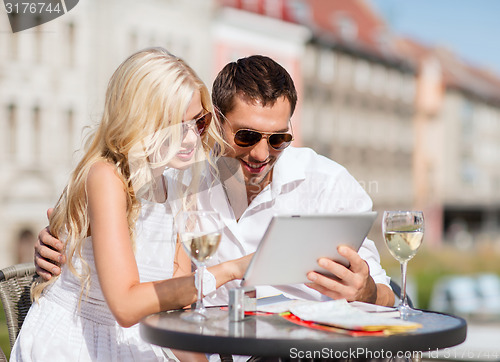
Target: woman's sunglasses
x=249 y=137
x=200 y=124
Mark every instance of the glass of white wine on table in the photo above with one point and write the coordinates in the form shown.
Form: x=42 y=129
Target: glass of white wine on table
x=199 y=232
x=403 y=233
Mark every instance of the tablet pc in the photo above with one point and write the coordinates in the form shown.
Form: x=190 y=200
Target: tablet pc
x=292 y=245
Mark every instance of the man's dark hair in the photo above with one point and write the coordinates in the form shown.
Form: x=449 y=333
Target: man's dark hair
x=254 y=79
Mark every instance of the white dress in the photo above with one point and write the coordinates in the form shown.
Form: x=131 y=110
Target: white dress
x=56 y=330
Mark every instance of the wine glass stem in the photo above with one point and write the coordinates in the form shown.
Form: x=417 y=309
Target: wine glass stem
x=403 y=284
x=200 y=308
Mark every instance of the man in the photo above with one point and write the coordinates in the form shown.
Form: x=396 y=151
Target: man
x=255 y=98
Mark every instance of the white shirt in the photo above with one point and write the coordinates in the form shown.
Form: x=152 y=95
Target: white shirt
x=304 y=183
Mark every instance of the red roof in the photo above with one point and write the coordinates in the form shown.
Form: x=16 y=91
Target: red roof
x=328 y=16
x=280 y=9
x=350 y=24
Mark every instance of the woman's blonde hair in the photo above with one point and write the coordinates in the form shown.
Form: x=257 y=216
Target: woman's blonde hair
x=146 y=100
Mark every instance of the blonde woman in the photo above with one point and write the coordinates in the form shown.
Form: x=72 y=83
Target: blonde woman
x=116 y=221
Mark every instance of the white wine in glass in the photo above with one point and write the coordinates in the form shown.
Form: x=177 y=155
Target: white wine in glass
x=200 y=247
x=200 y=233
x=403 y=245
x=403 y=234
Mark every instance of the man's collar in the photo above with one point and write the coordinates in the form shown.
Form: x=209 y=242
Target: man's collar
x=287 y=169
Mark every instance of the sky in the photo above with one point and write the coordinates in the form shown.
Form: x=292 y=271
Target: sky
x=470 y=28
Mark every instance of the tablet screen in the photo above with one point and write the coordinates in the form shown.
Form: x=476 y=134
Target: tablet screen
x=293 y=244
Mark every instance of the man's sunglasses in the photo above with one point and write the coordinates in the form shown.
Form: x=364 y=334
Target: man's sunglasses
x=200 y=124
x=249 y=137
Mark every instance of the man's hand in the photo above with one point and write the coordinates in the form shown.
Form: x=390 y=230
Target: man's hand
x=48 y=253
x=353 y=283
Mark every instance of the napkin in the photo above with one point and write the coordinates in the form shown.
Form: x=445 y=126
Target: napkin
x=339 y=313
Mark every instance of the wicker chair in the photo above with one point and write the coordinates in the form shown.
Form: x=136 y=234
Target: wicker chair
x=397 y=292
x=15 y=284
x=2 y=356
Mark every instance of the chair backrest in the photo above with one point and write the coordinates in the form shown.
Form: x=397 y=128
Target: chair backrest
x=2 y=356
x=397 y=292
x=15 y=284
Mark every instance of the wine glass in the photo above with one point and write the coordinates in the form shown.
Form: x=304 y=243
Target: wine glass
x=403 y=234
x=200 y=233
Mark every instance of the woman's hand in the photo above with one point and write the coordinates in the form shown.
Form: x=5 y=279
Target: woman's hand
x=239 y=266
x=230 y=270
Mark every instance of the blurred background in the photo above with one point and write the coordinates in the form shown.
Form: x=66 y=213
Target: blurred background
x=405 y=94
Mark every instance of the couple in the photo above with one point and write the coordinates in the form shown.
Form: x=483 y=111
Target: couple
x=154 y=93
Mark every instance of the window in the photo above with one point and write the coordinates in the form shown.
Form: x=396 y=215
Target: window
x=70 y=129
x=36 y=132
x=309 y=62
x=12 y=132
x=362 y=75
x=469 y=172
x=38 y=40
x=467 y=121
x=379 y=80
x=250 y=5
x=383 y=40
x=301 y=11
x=326 y=67
x=394 y=86
x=347 y=27
x=71 y=44
x=408 y=88
x=273 y=8
x=14 y=38
x=168 y=41
x=25 y=243
x=133 y=42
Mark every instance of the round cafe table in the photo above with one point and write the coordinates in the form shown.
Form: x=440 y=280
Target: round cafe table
x=272 y=335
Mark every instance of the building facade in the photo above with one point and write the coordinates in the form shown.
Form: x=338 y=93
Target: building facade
x=359 y=100
x=246 y=28
x=52 y=84
x=416 y=126
x=458 y=141
x=356 y=91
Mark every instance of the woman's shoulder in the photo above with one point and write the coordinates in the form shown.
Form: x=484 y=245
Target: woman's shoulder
x=102 y=172
x=102 y=168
